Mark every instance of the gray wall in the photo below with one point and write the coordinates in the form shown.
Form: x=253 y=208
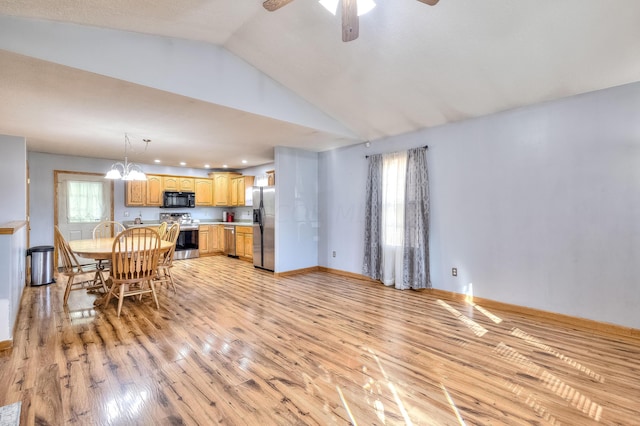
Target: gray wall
x=537 y=207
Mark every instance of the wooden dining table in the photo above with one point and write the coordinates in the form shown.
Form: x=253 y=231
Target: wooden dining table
x=100 y=248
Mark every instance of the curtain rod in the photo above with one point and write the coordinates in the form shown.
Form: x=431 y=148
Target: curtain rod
x=425 y=147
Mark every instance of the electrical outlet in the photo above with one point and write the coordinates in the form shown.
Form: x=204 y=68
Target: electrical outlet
x=126 y=214
x=454 y=272
x=334 y=253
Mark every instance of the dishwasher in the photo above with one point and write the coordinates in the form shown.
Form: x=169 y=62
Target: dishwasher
x=230 y=241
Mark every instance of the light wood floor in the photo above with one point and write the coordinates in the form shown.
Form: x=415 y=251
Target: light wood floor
x=237 y=346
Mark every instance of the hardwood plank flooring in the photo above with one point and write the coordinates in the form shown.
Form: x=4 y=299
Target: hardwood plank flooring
x=236 y=345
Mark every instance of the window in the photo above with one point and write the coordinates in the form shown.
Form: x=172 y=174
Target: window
x=393 y=189
x=84 y=201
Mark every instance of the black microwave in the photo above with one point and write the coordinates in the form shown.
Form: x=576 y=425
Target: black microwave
x=178 y=200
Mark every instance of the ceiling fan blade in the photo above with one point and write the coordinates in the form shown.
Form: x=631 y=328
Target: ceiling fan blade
x=429 y=2
x=272 y=5
x=350 y=23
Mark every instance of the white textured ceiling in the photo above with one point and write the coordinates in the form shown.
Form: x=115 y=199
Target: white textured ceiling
x=413 y=67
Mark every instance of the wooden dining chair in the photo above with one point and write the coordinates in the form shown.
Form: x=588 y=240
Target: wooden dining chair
x=72 y=269
x=166 y=259
x=134 y=261
x=162 y=229
x=106 y=229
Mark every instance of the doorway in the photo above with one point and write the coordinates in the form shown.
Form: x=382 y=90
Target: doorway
x=82 y=200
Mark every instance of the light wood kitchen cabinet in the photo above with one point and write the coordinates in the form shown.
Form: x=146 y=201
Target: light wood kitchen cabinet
x=216 y=238
x=244 y=241
x=239 y=186
x=135 y=194
x=222 y=187
x=204 y=191
x=178 y=183
x=203 y=239
x=154 y=191
x=186 y=184
x=211 y=239
x=170 y=183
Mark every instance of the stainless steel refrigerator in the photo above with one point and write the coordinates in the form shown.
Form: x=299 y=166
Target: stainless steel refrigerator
x=264 y=222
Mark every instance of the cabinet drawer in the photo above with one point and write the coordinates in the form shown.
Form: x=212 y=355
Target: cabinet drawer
x=244 y=230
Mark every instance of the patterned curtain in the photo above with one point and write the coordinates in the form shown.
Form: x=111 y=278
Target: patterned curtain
x=416 y=222
x=373 y=219
x=410 y=268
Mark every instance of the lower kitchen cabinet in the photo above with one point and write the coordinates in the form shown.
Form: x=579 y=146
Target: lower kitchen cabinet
x=244 y=242
x=216 y=238
x=203 y=239
x=210 y=239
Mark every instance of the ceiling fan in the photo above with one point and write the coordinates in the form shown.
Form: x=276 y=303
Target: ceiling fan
x=350 y=26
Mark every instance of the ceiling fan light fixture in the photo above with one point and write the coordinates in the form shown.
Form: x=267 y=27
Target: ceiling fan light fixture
x=364 y=6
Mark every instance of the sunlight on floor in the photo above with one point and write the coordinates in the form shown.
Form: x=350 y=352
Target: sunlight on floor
x=452 y=404
x=548 y=349
x=477 y=329
x=553 y=383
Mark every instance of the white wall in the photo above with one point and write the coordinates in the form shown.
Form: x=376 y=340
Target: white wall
x=537 y=207
x=296 y=230
x=13 y=192
x=13 y=175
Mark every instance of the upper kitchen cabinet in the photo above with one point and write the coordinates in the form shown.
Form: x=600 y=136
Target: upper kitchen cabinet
x=178 y=183
x=187 y=184
x=239 y=186
x=204 y=191
x=222 y=187
x=135 y=193
x=154 y=191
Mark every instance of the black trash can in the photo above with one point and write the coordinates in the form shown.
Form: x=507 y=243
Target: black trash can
x=41 y=265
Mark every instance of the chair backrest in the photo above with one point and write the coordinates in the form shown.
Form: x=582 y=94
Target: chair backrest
x=172 y=236
x=172 y=233
x=162 y=229
x=135 y=255
x=69 y=260
x=107 y=229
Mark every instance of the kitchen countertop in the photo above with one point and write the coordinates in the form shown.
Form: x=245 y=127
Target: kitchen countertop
x=132 y=224
x=236 y=223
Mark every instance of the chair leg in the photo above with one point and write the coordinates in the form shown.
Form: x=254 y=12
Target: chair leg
x=67 y=290
x=173 y=285
x=103 y=282
x=110 y=294
x=120 y=299
x=153 y=292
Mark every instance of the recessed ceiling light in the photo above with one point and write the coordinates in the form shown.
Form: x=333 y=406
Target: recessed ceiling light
x=157 y=161
x=182 y=163
x=244 y=161
x=207 y=166
x=225 y=166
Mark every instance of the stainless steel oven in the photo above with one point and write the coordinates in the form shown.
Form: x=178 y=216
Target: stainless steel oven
x=187 y=243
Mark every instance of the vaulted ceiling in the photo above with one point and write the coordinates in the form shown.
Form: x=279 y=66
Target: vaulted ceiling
x=219 y=81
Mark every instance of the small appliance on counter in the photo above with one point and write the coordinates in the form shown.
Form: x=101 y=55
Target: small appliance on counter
x=228 y=216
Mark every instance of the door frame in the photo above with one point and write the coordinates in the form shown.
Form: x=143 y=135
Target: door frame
x=55 y=199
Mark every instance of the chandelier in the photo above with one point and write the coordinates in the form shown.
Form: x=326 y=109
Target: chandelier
x=126 y=170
